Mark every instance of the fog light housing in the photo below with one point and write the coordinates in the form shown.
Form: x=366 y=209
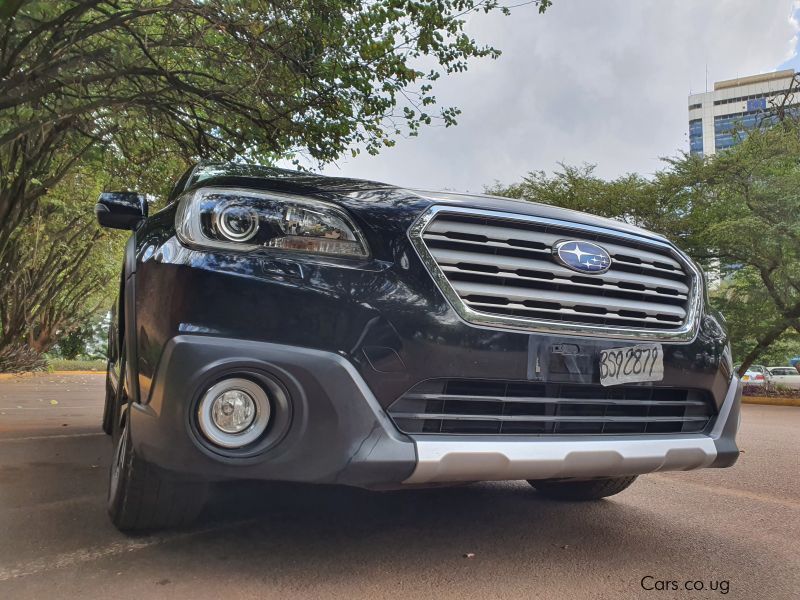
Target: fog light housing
x=234 y=412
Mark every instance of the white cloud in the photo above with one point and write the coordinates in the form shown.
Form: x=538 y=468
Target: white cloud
x=590 y=81
x=794 y=23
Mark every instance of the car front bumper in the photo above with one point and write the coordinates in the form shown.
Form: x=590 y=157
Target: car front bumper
x=340 y=433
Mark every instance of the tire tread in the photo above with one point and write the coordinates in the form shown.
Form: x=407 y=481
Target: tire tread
x=152 y=500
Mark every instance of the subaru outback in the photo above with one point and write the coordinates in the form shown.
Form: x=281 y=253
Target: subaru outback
x=278 y=325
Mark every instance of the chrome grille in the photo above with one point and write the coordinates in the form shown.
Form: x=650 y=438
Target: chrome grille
x=498 y=269
x=464 y=406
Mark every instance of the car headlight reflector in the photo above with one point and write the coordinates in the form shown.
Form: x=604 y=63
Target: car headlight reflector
x=245 y=220
x=233 y=411
x=235 y=222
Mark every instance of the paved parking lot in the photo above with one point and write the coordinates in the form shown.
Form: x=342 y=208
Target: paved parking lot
x=737 y=529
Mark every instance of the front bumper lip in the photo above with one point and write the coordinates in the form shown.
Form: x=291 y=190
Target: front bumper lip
x=483 y=461
x=450 y=460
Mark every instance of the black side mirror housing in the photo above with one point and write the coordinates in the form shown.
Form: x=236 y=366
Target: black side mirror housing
x=121 y=210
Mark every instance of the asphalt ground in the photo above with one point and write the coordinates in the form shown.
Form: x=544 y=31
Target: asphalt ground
x=737 y=530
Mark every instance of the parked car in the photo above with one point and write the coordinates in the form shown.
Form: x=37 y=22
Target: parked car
x=756 y=376
x=784 y=377
x=284 y=326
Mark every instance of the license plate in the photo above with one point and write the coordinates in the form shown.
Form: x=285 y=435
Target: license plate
x=746 y=378
x=633 y=364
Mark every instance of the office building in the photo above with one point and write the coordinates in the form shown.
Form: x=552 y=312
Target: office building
x=719 y=119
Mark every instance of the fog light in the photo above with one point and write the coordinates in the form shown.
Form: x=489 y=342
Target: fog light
x=234 y=412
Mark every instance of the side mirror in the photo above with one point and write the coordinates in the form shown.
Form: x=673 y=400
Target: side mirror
x=120 y=210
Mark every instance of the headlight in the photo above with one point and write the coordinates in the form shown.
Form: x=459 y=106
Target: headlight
x=244 y=220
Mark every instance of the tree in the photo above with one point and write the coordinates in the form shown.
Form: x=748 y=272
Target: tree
x=782 y=351
x=57 y=272
x=748 y=198
x=130 y=92
x=73 y=344
x=60 y=268
x=750 y=315
x=233 y=78
x=658 y=204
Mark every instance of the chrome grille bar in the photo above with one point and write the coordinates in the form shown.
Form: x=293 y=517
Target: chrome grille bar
x=454 y=229
x=566 y=299
x=545 y=268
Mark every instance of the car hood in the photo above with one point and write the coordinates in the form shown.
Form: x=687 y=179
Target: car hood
x=530 y=208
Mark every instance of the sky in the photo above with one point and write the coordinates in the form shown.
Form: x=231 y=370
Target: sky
x=603 y=82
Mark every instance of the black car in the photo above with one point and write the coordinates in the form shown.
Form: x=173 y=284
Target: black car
x=279 y=325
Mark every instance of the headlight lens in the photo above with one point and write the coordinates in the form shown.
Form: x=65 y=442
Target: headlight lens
x=244 y=220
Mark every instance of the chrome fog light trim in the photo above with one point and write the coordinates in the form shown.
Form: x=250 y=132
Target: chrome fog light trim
x=256 y=423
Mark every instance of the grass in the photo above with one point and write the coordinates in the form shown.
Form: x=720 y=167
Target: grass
x=62 y=364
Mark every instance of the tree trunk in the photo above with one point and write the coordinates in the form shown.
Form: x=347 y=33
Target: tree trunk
x=763 y=343
x=41 y=340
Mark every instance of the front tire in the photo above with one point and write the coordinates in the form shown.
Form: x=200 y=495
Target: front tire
x=142 y=497
x=108 y=406
x=582 y=491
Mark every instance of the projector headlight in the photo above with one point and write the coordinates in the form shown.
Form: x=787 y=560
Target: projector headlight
x=245 y=220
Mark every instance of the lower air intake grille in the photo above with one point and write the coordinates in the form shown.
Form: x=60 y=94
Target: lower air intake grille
x=463 y=406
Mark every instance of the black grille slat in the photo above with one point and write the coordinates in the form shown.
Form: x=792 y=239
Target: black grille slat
x=547 y=281
x=543 y=418
x=546 y=400
x=463 y=406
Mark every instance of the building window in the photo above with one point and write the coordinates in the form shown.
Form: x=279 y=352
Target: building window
x=752 y=97
x=731 y=129
x=696 y=136
x=693 y=106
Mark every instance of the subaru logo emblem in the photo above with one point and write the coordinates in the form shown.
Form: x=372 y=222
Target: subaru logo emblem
x=583 y=257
